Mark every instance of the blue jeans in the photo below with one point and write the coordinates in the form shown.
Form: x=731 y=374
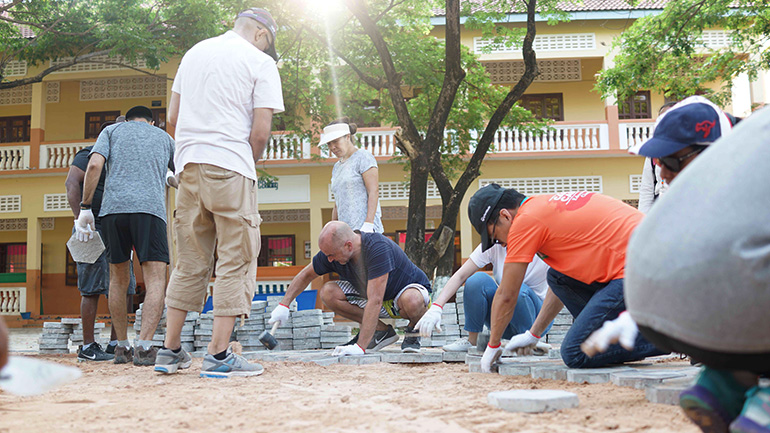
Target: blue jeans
x=480 y=290
x=591 y=305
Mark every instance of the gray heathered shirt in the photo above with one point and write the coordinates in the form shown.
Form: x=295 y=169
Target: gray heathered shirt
x=138 y=155
x=350 y=192
x=698 y=266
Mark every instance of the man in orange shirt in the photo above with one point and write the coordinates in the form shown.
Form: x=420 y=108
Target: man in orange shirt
x=583 y=237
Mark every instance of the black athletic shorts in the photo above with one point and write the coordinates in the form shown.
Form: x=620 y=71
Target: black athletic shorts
x=143 y=232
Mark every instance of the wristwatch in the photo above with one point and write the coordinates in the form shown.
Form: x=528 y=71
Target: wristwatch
x=85 y=206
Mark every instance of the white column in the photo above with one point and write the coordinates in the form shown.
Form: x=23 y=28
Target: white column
x=741 y=96
x=760 y=88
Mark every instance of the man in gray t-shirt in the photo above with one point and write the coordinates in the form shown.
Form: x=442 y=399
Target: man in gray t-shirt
x=136 y=156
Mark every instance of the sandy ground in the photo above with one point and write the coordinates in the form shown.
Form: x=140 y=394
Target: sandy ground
x=303 y=397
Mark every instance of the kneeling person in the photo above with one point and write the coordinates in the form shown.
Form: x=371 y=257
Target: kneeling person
x=376 y=280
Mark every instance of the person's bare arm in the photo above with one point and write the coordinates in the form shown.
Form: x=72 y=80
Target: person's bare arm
x=74 y=193
x=550 y=309
x=371 y=182
x=261 y=128
x=505 y=300
x=173 y=108
x=299 y=283
x=93 y=173
x=458 y=279
x=375 y=291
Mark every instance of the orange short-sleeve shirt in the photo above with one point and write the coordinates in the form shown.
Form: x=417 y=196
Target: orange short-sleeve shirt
x=583 y=235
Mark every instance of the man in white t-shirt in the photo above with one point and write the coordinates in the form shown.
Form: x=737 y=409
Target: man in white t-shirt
x=224 y=96
x=480 y=289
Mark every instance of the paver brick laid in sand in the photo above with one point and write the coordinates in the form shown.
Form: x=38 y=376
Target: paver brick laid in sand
x=533 y=400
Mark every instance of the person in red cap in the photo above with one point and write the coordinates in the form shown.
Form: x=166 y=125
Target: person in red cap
x=223 y=99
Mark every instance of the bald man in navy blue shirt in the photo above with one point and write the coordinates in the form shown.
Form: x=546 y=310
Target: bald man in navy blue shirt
x=377 y=279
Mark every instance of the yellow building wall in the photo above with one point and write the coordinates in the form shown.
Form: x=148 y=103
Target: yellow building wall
x=15 y=110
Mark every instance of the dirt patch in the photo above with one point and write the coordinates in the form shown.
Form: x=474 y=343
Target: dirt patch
x=303 y=397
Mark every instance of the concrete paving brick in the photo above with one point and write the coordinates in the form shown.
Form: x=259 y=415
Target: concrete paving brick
x=412 y=358
x=642 y=379
x=668 y=391
x=70 y=321
x=309 y=332
x=361 y=359
x=454 y=356
x=475 y=367
x=307 y=313
x=469 y=358
x=593 y=375
x=533 y=400
x=553 y=372
x=303 y=322
x=554 y=354
x=515 y=369
x=328 y=360
x=336 y=328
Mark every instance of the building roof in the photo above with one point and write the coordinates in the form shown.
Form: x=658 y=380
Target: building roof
x=585 y=6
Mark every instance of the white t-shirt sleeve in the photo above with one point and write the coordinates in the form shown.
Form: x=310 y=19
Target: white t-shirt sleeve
x=479 y=258
x=536 y=276
x=267 y=89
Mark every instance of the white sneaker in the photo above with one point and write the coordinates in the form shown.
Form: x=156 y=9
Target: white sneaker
x=461 y=345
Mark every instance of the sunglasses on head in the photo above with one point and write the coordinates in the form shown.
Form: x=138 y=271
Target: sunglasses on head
x=674 y=163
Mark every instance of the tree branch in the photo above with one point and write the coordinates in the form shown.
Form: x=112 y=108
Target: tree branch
x=39 y=77
x=409 y=130
x=376 y=83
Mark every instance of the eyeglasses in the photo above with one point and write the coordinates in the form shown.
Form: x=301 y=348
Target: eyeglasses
x=674 y=163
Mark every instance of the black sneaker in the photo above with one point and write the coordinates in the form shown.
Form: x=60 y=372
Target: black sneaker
x=352 y=341
x=110 y=349
x=93 y=352
x=382 y=339
x=411 y=343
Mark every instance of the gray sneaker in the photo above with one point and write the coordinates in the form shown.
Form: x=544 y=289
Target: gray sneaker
x=143 y=358
x=411 y=343
x=381 y=339
x=166 y=361
x=233 y=365
x=123 y=355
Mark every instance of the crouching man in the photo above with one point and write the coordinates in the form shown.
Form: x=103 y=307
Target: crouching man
x=376 y=280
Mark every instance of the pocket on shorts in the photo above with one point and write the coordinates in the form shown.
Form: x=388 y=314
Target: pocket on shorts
x=218 y=173
x=251 y=241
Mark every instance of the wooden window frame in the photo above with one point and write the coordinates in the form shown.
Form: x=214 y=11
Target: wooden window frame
x=541 y=97
x=4 y=256
x=8 y=121
x=106 y=116
x=70 y=270
x=632 y=114
x=264 y=258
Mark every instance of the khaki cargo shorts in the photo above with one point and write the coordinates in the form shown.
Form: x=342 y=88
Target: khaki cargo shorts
x=216 y=208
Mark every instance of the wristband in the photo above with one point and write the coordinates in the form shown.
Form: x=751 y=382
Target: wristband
x=362 y=349
x=536 y=336
x=442 y=308
x=494 y=347
x=85 y=206
x=283 y=305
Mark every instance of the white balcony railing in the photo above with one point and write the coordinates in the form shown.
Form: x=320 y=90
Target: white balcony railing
x=60 y=155
x=632 y=134
x=264 y=287
x=12 y=300
x=14 y=158
x=559 y=138
x=284 y=147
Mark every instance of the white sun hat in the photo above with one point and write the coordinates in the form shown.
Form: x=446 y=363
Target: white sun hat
x=333 y=132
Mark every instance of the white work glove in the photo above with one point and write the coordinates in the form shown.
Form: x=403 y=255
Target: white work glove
x=171 y=180
x=429 y=321
x=491 y=355
x=84 y=225
x=623 y=330
x=351 y=350
x=367 y=228
x=279 y=314
x=522 y=344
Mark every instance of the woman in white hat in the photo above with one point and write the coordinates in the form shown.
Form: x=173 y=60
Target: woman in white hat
x=355 y=179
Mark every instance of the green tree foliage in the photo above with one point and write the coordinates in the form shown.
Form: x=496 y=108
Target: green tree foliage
x=126 y=30
x=665 y=52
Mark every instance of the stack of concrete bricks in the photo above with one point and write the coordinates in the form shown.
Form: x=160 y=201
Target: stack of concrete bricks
x=77 y=333
x=204 y=328
x=248 y=334
x=188 y=331
x=452 y=323
x=56 y=335
x=306 y=329
x=160 y=331
x=284 y=334
x=561 y=325
x=335 y=335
